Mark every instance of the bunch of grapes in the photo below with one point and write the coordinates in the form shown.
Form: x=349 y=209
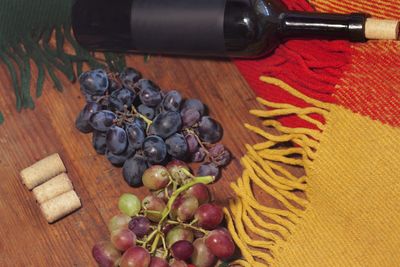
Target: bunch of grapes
x=176 y=225
x=137 y=125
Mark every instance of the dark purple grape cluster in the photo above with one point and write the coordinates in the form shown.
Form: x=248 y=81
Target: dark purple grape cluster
x=176 y=225
x=136 y=125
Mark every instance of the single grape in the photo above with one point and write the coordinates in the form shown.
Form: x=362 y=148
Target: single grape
x=146 y=111
x=82 y=121
x=102 y=120
x=177 y=146
x=167 y=123
x=208 y=169
x=135 y=135
x=122 y=97
x=135 y=257
x=105 y=254
x=116 y=140
x=209 y=216
x=119 y=221
x=184 y=208
x=166 y=228
x=129 y=204
x=202 y=256
x=130 y=76
x=140 y=225
x=175 y=170
x=153 y=206
x=190 y=117
x=178 y=263
x=220 y=155
x=140 y=122
x=172 y=101
x=99 y=142
x=119 y=160
x=201 y=192
x=133 y=170
x=193 y=144
x=158 y=262
x=154 y=149
x=150 y=94
x=94 y=82
x=194 y=104
x=182 y=250
x=199 y=155
x=179 y=233
x=122 y=239
x=210 y=130
x=156 y=177
x=220 y=243
x=113 y=85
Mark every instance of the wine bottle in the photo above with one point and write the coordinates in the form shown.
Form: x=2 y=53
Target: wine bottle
x=234 y=28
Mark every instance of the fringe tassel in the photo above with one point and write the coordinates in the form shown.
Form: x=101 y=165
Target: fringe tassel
x=17 y=58
x=258 y=229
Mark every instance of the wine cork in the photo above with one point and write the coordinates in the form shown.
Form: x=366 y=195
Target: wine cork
x=42 y=171
x=60 y=206
x=382 y=29
x=52 y=188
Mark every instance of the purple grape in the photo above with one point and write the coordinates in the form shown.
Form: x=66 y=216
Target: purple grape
x=193 y=144
x=190 y=117
x=177 y=146
x=140 y=225
x=199 y=155
x=113 y=86
x=136 y=136
x=154 y=149
x=133 y=170
x=105 y=254
x=148 y=112
x=208 y=169
x=129 y=76
x=220 y=155
x=82 y=121
x=119 y=160
x=116 y=140
x=94 y=82
x=140 y=122
x=102 y=120
x=194 y=104
x=172 y=101
x=150 y=94
x=210 y=130
x=167 y=123
x=99 y=142
x=182 y=250
x=122 y=97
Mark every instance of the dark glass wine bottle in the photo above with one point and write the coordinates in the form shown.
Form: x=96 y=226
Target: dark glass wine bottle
x=235 y=28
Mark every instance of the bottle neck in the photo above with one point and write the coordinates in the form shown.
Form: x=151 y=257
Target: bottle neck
x=321 y=25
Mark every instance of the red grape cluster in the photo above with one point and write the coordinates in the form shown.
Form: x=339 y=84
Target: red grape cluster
x=136 y=125
x=176 y=225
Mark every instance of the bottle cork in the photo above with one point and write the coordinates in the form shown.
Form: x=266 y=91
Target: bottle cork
x=42 y=171
x=60 y=206
x=52 y=188
x=382 y=29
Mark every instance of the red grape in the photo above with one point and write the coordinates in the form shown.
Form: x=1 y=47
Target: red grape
x=220 y=243
x=135 y=257
x=178 y=233
x=202 y=256
x=174 y=168
x=178 y=263
x=123 y=239
x=105 y=254
x=155 y=177
x=182 y=250
x=184 y=208
x=140 y=225
x=158 y=262
x=118 y=221
x=201 y=192
x=209 y=216
x=155 y=205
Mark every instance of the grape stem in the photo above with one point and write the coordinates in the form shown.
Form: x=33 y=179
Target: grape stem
x=148 y=121
x=150 y=237
x=188 y=225
x=190 y=131
x=155 y=242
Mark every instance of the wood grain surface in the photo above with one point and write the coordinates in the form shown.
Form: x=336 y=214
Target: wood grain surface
x=26 y=239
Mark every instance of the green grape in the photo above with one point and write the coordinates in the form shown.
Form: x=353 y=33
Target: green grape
x=129 y=204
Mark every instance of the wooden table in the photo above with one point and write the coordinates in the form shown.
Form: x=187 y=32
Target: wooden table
x=26 y=238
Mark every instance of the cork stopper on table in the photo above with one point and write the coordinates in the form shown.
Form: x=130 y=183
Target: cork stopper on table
x=382 y=29
x=60 y=206
x=52 y=188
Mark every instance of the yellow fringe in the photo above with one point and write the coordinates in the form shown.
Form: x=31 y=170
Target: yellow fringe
x=258 y=229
